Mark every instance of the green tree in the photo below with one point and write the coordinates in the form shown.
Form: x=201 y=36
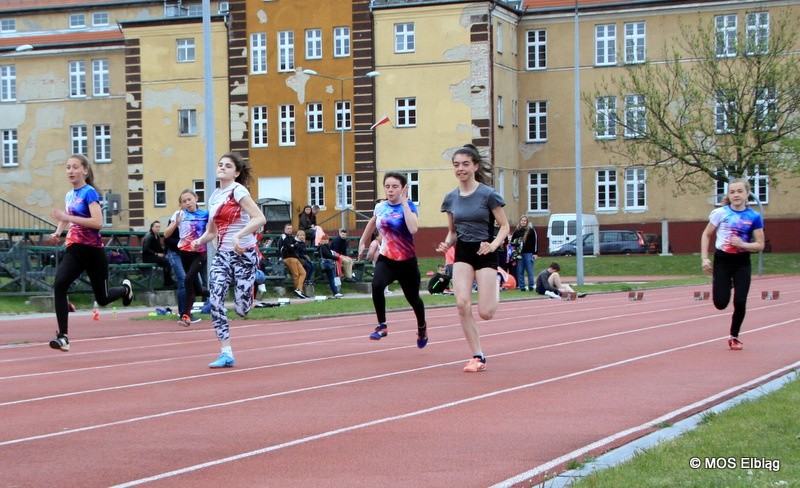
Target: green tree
x=715 y=106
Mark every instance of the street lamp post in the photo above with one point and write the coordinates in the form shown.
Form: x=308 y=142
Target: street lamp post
x=342 y=185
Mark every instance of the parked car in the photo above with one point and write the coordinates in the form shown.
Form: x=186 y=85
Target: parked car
x=611 y=242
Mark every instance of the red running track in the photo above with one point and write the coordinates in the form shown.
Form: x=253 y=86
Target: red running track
x=315 y=403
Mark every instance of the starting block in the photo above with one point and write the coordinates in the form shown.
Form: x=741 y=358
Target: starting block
x=702 y=295
x=569 y=297
x=773 y=295
x=635 y=296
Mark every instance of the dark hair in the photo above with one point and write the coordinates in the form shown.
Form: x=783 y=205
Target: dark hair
x=482 y=175
x=242 y=166
x=555 y=266
x=85 y=163
x=304 y=209
x=153 y=223
x=398 y=176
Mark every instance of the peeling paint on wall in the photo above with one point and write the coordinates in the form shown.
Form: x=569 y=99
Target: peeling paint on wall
x=130 y=99
x=240 y=89
x=167 y=100
x=40 y=198
x=47 y=86
x=262 y=17
x=239 y=117
x=527 y=151
x=167 y=152
x=49 y=117
x=14 y=114
x=297 y=83
x=458 y=53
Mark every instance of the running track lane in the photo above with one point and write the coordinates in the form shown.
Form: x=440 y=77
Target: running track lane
x=315 y=403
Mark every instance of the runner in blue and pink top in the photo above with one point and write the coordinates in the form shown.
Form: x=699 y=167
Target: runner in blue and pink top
x=191 y=223
x=84 y=251
x=396 y=221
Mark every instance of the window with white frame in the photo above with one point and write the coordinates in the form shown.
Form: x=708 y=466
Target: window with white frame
x=766 y=109
x=635 y=120
x=316 y=190
x=513 y=39
x=538 y=192
x=160 y=193
x=725 y=35
x=199 y=187
x=314 y=117
x=79 y=139
x=259 y=127
x=757 y=32
x=635 y=189
x=606 y=188
x=348 y=191
x=406 y=112
x=313 y=43
x=605 y=117
x=77 y=79
x=102 y=143
x=537 y=121
x=343 y=115
x=77 y=21
x=500 y=111
x=413 y=185
x=500 y=182
x=223 y=7
x=285 y=51
x=499 y=38
x=404 y=37
x=514 y=113
x=724 y=112
x=634 y=42
x=605 y=45
x=187 y=122
x=99 y=19
x=759 y=184
x=8 y=25
x=536 y=46
x=185 y=50
x=10 y=145
x=258 y=53
x=194 y=9
x=286 y=123
x=100 y=86
x=8 y=83
x=341 y=42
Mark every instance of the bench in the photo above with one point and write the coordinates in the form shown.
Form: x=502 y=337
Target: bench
x=142 y=275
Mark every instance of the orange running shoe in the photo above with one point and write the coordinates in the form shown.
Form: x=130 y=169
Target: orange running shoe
x=735 y=344
x=475 y=365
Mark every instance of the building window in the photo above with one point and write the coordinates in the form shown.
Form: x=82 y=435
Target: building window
x=766 y=109
x=160 y=193
x=77 y=21
x=343 y=115
x=413 y=186
x=757 y=33
x=605 y=45
x=406 y=112
x=515 y=113
x=99 y=19
x=258 y=53
x=187 y=122
x=223 y=8
x=286 y=122
x=314 y=117
x=635 y=189
x=538 y=192
x=634 y=42
x=605 y=118
x=77 y=79
x=100 y=78
x=500 y=111
x=404 y=38
x=536 y=45
x=199 y=187
x=10 y=144
x=348 y=191
x=8 y=26
x=8 y=83
x=102 y=143
x=724 y=113
x=259 y=127
x=316 y=191
x=499 y=38
x=341 y=42
x=635 y=122
x=606 y=184
x=313 y=43
x=185 y=50
x=194 y=10
x=537 y=121
x=725 y=35
x=79 y=139
x=285 y=51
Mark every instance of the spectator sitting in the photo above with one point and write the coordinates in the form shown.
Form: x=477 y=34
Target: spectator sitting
x=287 y=248
x=153 y=252
x=339 y=247
x=549 y=283
x=439 y=281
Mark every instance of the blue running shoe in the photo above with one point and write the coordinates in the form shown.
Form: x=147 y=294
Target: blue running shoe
x=224 y=360
x=422 y=336
x=380 y=331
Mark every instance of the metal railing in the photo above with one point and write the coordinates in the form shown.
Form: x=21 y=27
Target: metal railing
x=13 y=216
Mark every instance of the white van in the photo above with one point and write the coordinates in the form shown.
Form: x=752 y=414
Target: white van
x=563 y=228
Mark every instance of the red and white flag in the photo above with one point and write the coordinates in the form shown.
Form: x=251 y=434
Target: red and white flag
x=383 y=120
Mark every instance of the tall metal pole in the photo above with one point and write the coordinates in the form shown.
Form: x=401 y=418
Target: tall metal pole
x=578 y=180
x=208 y=84
x=342 y=196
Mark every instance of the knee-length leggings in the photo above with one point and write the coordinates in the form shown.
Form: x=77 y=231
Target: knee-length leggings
x=732 y=270
x=407 y=274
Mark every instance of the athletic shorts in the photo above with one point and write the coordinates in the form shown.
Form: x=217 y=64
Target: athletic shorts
x=467 y=252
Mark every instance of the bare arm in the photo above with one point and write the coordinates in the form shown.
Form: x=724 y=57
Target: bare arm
x=368 y=231
x=451 y=237
x=704 y=245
